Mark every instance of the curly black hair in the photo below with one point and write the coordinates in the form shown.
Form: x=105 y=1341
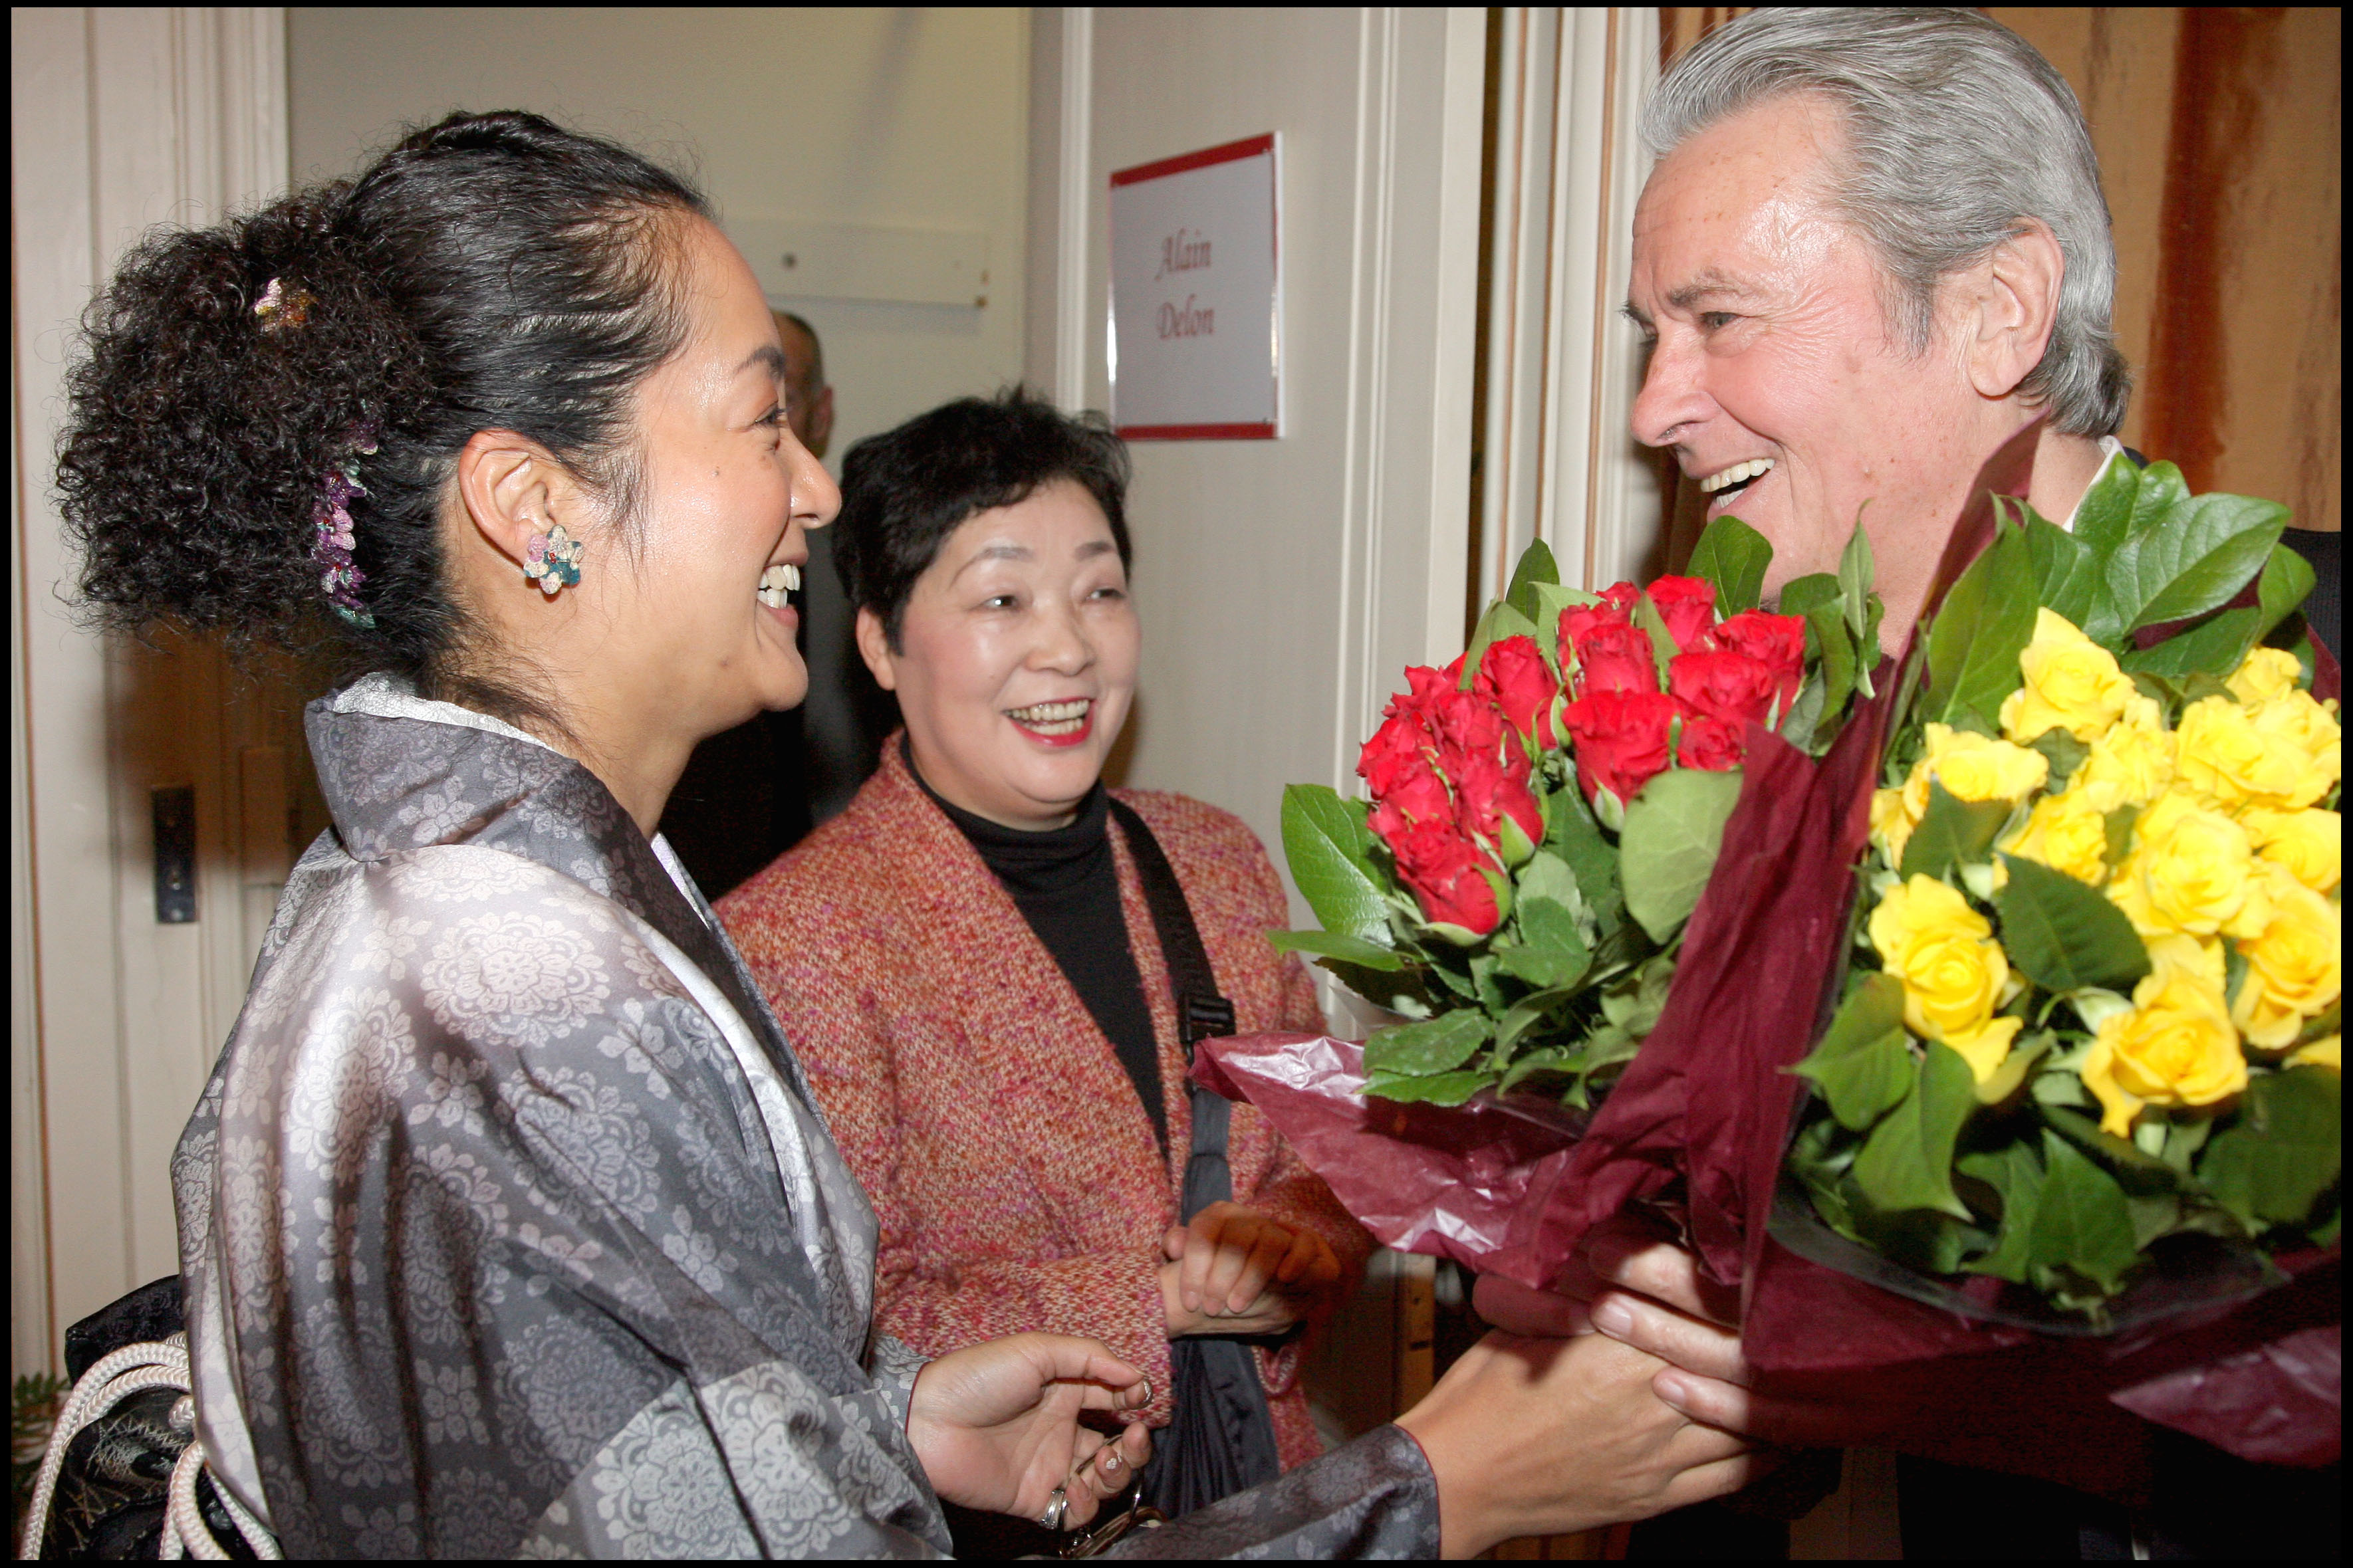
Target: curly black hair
x=905 y=490
x=491 y=271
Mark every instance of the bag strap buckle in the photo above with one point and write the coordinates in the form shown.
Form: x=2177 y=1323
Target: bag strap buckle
x=1200 y=1017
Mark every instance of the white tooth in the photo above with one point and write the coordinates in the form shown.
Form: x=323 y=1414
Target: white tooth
x=792 y=577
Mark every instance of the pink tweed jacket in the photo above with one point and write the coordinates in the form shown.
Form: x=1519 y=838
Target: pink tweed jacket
x=1006 y=1153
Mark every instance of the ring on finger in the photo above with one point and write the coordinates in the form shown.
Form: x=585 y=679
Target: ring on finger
x=1057 y=1509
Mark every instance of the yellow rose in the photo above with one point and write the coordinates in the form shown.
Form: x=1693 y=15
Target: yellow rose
x=2309 y=844
x=2191 y=870
x=2134 y=755
x=2174 y=1046
x=1891 y=824
x=1954 y=974
x=2329 y=1053
x=2295 y=965
x=2228 y=760
x=1973 y=767
x=2071 y=684
x=2265 y=675
x=2308 y=728
x=2068 y=833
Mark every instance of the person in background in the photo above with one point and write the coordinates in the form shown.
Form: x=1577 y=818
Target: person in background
x=847 y=715
x=968 y=960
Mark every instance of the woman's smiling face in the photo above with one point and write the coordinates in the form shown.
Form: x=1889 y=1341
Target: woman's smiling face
x=1016 y=658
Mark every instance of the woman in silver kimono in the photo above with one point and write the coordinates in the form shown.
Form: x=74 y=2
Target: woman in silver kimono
x=507 y=1222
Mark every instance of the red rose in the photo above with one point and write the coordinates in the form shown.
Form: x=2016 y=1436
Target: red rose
x=1710 y=746
x=1732 y=687
x=1779 y=642
x=1393 y=751
x=1513 y=675
x=1620 y=739
x=1447 y=876
x=1487 y=790
x=1616 y=655
x=1620 y=598
x=1687 y=605
x=1469 y=727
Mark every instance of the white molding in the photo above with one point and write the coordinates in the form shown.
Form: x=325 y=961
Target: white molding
x=1414 y=281
x=121 y=119
x=1563 y=363
x=1074 y=193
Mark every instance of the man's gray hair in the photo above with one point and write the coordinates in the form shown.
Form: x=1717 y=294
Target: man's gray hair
x=1957 y=128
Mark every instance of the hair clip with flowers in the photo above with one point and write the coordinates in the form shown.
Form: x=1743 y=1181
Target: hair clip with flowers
x=280 y=308
x=331 y=539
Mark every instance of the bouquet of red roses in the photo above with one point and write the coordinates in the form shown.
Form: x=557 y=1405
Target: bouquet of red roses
x=1545 y=811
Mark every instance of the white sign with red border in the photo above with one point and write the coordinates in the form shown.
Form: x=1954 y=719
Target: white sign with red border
x=1196 y=330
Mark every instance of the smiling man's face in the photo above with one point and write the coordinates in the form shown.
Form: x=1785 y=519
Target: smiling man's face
x=1775 y=374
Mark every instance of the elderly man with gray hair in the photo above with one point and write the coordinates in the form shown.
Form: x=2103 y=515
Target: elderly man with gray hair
x=1873 y=251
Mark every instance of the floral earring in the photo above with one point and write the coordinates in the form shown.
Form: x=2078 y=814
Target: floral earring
x=553 y=561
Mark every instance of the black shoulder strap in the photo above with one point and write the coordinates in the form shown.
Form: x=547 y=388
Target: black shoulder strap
x=1202 y=1012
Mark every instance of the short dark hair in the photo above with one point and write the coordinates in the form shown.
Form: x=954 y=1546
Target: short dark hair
x=904 y=491
x=491 y=271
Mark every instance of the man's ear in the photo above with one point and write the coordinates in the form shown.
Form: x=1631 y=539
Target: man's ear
x=2012 y=307
x=512 y=489
x=874 y=647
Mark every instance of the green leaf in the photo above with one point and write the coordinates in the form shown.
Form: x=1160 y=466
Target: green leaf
x=1328 y=944
x=1733 y=556
x=2064 y=753
x=1536 y=565
x=1985 y=622
x=2066 y=571
x=1673 y=829
x=2287 y=581
x=2204 y=554
x=1952 y=832
x=2139 y=1173
x=1854 y=574
x=1571 y=832
x=2104 y=519
x=1908 y=1160
x=1435 y=1089
x=1551 y=963
x=2081 y=1221
x=2117 y=826
x=2285 y=1150
x=1837 y=649
x=2063 y=934
x=1802 y=595
x=1329 y=848
x=1863 y=1064
x=1527 y=1013
x=1434 y=1045
x=2213 y=647
x=2013 y=1172
x=1500 y=621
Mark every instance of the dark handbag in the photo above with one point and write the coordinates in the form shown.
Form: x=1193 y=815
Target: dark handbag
x=1221 y=1440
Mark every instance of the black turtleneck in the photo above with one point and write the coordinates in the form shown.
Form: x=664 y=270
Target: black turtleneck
x=1066 y=884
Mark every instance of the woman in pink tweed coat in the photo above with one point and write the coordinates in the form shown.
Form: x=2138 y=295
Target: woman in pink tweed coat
x=967 y=961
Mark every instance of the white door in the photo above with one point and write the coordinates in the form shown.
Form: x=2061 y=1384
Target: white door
x=121 y=119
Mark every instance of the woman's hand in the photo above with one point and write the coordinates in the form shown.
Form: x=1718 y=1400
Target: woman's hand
x=1233 y=1270
x=996 y=1425
x=1540 y=1436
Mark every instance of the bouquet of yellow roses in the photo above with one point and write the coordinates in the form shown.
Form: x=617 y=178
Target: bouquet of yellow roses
x=2084 y=1075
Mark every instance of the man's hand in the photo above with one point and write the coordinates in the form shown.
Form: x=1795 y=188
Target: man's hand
x=996 y=1425
x=1235 y=1271
x=1541 y=1437
x=2024 y=1412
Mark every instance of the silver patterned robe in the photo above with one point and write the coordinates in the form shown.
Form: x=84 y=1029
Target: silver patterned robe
x=508 y=1226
